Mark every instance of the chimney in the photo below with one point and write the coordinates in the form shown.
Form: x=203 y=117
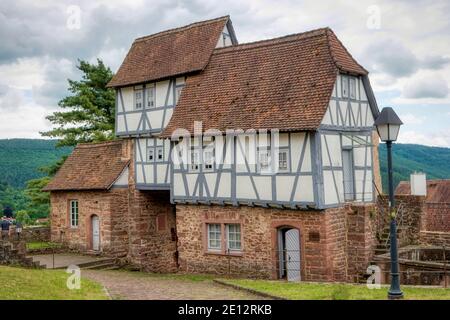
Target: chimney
x=418 y=184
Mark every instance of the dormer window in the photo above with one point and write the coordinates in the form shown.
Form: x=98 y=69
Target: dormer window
x=138 y=99
x=178 y=93
x=150 y=97
x=352 y=82
x=345 y=87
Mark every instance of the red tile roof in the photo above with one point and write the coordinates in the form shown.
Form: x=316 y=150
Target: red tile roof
x=438 y=191
x=170 y=53
x=90 y=167
x=283 y=83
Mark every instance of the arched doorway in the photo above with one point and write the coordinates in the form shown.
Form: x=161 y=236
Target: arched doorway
x=95 y=232
x=289 y=265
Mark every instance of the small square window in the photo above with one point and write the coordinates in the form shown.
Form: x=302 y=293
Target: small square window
x=150 y=97
x=208 y=159
x=138 y=99
x=150 y=154
x=264 y=161
x=214 y=236
x=159 y=154
x=283 y=160
x=344 y=87
x=195 y=160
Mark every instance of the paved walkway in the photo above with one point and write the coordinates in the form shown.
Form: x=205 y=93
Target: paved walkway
x=62 y=260
x=141 y=286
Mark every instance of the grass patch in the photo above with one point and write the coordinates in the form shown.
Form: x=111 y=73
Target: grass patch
x=41 y=245
x=325 y=291
x=39 y=284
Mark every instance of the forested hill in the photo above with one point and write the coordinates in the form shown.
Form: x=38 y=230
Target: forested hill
x=20 y=159
x=407 y=158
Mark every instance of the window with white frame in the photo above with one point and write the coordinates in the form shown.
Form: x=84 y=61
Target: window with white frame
x=178 y=93
x=283 y=160
x=138 y=98
x=352 y=82
x=208 y=159
x=73 y=213
x=159 y=154
x=150 y=97
x=214 y=236
x=233 y=237
x=195 y=160
x=345 y=87
x=150 y=154
x=264 y=160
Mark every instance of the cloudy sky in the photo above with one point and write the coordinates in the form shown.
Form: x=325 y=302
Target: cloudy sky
x=404 y=44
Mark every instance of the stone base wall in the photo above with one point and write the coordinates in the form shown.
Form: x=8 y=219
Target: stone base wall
x=361 y=239
x=410 y=216
x=435 y=238
x=152 y=231
x=325 y=244
x=437 y=217
x=30 y=234
x=111 y=208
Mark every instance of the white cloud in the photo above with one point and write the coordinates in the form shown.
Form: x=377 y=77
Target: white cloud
x=24 y=122
x=438 y=139
x=428 y=86
x=411 y=119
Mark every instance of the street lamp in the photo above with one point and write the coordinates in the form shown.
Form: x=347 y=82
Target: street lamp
x=388 y=125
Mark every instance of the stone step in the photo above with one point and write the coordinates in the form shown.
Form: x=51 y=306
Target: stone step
x=99 y=266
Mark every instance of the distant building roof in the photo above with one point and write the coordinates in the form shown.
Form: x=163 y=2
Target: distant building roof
x=438 y=191
x=90 y=167
x=170 y=53
x=283 y=83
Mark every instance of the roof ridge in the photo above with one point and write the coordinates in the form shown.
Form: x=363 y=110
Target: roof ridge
x=273 y=41
x=182 y=28
x=98 y=144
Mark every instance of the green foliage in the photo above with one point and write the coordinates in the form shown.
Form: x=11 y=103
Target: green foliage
x=408 y=158
x=29 y=160
x=20 y=159
x=91 y=108
x=23 y=217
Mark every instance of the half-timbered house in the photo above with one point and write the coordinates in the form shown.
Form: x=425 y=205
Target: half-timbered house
x=257 y=159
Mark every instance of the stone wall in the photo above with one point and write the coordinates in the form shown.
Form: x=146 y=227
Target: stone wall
x=435 y=238
x=437 y=217
x=152 y=231
x=411 y=210
x=325 y=245
x=361 y=239
x=35 y=234
x=111 y=208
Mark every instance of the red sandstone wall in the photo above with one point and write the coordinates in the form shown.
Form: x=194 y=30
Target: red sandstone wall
x=107 y=205
x=437 y=217
x=324 y=259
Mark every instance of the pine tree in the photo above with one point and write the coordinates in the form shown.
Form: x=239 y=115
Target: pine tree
x=90 y=108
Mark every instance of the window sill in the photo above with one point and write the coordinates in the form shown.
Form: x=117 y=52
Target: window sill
x=221 y=253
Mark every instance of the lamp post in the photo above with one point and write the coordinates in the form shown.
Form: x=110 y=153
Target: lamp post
x=388 y=125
